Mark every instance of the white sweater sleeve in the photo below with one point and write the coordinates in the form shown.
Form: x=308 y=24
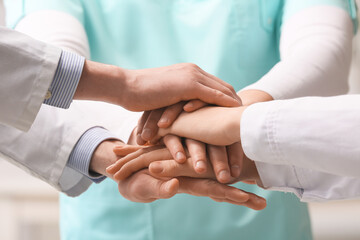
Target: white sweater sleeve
x=320 y=135
x=315 y=49
x=2 y=13
x=57 y=28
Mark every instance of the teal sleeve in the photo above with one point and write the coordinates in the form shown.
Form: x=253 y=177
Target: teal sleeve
x=291 y=7
x=17 y=9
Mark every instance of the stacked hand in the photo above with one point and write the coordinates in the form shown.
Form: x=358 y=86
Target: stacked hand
x=211 y=156
x=140 y=184
x=150 y=173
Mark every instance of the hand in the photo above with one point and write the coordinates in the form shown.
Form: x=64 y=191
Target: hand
x=213 y=125
x=161 y=164
x=154 y=88
x=226 y=161
x=142 y=187
x=222 y=158
x=151 y=121
x=147 y=89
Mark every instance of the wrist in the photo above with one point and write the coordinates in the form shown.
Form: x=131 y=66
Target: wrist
x=233 y=126
x=249 y=172
x=101 y=82
x=104 y=156
x=252 y=96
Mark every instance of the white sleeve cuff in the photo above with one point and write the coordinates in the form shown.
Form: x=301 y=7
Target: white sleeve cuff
x=281 y=178
x=257 y=132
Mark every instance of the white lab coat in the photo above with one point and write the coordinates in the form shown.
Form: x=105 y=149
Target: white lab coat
x=27 y=68
x=53 y=140
x=309 y=146
x=43 y=151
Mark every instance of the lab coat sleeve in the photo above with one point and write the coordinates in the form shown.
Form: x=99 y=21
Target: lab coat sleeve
x=27 y=69
x=307 y=184
x=56 y=131
x=44 y=150
x=315 y=51
x=318 y=134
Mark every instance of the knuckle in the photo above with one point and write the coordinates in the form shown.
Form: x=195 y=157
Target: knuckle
x=170 y=168
x=199 y=157
x=192 y=66
x=217 y=93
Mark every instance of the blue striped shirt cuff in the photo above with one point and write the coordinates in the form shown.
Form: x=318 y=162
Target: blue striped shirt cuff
x=67 y=76
x=81 y=154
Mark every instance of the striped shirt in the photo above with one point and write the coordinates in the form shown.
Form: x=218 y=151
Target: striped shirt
x=67 y=76
x=81 y=154
x=60 y=94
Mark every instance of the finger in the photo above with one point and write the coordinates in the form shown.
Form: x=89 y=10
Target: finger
x=252 y=182
x=171 y=168
x=174 y=144
x=194 y=105
x=168 y=189
x=123 y=150
x=236 y=154
x=142 y=187
x=220 y=192
x=216 y=85
x=216 y=97
x=141 y=162
x=170 y=114
x=219 y=161
x=227 y=85
x=140 y=127
x=112 y=169
x=257 y=203
x=211 y=188
x=197 y=151
x=159 y=189
x=151 y=128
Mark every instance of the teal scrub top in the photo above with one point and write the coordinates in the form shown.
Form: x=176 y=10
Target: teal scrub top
x=236 y=40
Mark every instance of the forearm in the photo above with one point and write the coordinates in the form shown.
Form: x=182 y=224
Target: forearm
x=101 y=82
x=104 y=156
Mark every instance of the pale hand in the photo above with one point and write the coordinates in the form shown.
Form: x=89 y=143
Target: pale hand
x=212 y=125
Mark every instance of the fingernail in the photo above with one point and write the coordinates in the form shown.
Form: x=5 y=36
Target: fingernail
x=139 y=139
x=180 y=156
x=260 y=201
x=146 y=134
x=164 y=120
x=235 y=171
x=109 y=168
x=168 y=187
x=224 y=176
x=200 y=166
x=190 y=105
x=156 y=167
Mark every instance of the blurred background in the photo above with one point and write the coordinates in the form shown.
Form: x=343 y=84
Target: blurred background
x=29 y=208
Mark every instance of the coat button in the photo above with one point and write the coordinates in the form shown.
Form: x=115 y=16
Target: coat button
x=48 y=95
